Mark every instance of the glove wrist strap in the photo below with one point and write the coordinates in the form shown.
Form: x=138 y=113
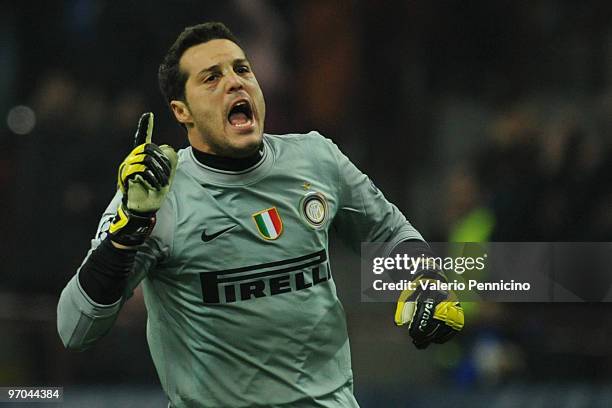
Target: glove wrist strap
x=130 y=228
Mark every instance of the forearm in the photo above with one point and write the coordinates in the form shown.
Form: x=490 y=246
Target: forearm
x=80 y=320
x=104 y=275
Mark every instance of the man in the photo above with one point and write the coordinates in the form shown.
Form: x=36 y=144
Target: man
x=229 y=239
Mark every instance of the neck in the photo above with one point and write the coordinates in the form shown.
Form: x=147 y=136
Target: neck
x=228 y=163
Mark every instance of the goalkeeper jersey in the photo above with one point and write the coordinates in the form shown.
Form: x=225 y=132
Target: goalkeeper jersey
x=240 y=296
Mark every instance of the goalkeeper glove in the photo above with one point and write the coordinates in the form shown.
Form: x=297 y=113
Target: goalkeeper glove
x=431 y=315
x=144 y=178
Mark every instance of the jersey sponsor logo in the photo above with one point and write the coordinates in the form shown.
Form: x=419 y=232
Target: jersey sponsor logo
x=208 y=238
x=269 y=223
x=314 y=209
x=267 y=279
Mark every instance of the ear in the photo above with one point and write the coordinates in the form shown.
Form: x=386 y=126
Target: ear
x=181 y=112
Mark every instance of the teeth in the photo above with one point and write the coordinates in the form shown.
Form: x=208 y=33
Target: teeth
x=242 y=106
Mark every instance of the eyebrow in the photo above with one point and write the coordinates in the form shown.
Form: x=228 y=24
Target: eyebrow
x=216 y=66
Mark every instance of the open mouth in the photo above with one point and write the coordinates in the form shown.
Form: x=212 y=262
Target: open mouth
x=240 y=114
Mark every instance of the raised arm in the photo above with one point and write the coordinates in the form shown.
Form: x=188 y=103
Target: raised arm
x=128 y=243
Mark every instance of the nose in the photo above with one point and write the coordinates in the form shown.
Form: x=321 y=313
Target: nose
x=234 y=82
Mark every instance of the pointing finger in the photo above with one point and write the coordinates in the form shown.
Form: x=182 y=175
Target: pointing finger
x=144 y=132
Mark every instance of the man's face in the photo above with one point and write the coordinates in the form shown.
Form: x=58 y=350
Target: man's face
x=225 y=109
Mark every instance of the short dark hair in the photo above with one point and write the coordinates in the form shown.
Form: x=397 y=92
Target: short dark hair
x=171 y=79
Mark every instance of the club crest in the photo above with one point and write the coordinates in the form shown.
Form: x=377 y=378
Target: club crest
x=314 y=209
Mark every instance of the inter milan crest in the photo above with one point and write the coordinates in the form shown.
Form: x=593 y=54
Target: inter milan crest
x=269 y=223
x=314 y=209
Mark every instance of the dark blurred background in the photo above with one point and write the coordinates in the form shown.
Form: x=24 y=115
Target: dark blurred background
x=481 y=120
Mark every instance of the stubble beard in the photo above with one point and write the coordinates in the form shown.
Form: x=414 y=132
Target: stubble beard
x=217 y=146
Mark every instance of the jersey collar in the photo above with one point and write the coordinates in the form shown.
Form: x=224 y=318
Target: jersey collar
x=214 y=175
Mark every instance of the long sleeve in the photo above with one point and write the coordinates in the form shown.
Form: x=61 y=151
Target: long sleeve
x=81 y=321
x=364 y=214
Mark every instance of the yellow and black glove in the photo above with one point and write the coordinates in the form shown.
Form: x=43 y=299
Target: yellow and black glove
x=432 y=316
x=144 y=178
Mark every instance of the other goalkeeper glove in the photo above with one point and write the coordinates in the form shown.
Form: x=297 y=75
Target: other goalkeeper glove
x=431 y=315
x=144 y=178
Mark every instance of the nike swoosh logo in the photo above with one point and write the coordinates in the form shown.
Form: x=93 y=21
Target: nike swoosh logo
x=208 y=238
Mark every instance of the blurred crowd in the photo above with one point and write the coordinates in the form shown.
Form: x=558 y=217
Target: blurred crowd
x=482 y=121
x=540 y=176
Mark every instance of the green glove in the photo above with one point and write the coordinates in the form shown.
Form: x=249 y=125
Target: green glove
x=144 y=178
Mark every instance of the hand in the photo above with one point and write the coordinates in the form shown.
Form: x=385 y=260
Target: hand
x=432 y=315
x=144 y=178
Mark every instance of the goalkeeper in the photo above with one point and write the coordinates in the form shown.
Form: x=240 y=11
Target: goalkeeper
x=229 y=240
